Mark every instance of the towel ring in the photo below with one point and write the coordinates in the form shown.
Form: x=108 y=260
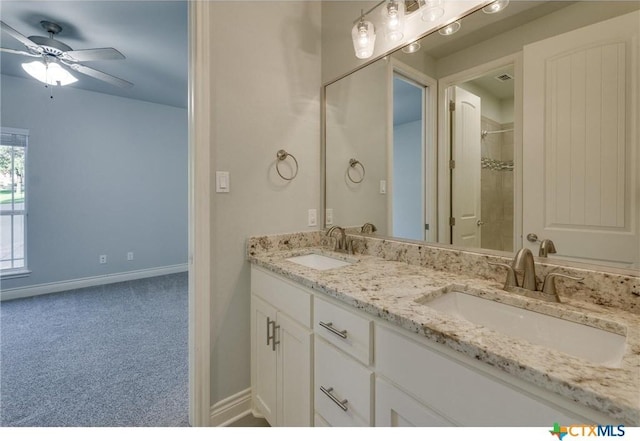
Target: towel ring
x=352 y=164
x=282 y=155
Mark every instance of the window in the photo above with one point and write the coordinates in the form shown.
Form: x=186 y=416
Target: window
x=13 y=212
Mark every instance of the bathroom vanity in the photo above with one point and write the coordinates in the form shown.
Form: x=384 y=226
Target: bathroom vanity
x=372 y=340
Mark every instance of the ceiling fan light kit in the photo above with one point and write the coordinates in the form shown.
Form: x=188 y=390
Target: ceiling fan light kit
x=55 y=57
x=49 y=73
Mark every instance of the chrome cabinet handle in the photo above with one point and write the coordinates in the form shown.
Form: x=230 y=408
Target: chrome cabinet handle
x=341 y=404
x=271 y=337
x=329 y=327
x=274 y=342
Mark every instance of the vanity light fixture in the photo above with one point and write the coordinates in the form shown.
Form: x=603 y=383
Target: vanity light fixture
x=432 y=9
x=393 y=19
x=411 y=48
x=49 y=72
x=363 y=35
x=450 y=29
x=496 y=6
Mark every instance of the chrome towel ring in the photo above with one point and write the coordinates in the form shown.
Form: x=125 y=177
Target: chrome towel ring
x=282 y=155
x=352 y=165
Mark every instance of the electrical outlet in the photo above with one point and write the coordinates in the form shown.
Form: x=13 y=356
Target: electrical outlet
x=130 y=255
x=103 y=258
x=328 y=216
x=313 y=217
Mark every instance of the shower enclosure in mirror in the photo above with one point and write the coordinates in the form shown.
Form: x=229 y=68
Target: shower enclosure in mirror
x=523 y=123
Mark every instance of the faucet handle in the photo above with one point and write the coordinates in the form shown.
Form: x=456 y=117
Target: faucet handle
x=549 y=285
x=511 y=275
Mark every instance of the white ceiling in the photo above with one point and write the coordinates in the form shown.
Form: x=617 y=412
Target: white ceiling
x=152 y=35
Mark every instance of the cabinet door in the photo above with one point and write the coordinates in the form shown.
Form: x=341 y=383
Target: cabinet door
x=294 y=373
x=264 y=360
x=394 y=408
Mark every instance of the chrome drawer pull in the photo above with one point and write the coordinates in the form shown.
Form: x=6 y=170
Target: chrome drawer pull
x=341 y=404
x=329 y=327
x=271 y=337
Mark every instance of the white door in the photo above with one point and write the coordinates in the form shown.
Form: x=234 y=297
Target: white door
x=294 y=373
x=580 y=142
x=394 y=408
x=264 y=361
x=465 y=175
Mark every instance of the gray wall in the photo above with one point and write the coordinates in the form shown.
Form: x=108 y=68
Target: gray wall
x=106 y=175
x=265 y=95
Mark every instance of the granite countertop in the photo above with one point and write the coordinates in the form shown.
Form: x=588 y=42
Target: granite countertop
x=396 y=292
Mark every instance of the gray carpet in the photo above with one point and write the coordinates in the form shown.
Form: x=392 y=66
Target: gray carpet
x=112 y=355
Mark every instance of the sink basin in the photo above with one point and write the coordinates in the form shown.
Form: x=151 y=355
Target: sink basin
x=318 y=261
x=582 y=341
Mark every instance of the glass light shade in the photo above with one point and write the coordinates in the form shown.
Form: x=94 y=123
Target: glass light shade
x=364 y=39
x=432 y=10
x=450 y=29
x=412 y=47
x=496 y=6
x=50 y=73
x=393 y=19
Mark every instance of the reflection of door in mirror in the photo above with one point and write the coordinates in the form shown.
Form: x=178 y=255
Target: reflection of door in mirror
x=466 y=115
x=581 y=141
x=482 y=171
x=407 y=202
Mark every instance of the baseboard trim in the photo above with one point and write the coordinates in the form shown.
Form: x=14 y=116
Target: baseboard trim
x=231 y=409
x=49 y=288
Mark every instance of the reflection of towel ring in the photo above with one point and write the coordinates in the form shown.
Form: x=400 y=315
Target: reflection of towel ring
x=352 y=164
x=282 y=155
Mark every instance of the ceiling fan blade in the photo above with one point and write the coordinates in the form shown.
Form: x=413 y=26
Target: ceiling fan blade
x=100 y=75
x=17 y=35
x=13 y=51
x=105 y=53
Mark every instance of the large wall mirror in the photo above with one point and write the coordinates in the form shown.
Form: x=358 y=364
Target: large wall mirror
x=515 y=127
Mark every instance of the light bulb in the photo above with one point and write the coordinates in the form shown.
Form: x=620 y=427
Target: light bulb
x=364 y=37
x=496 y=6
x=450 y=29
x=393 y=19
x=432 y=10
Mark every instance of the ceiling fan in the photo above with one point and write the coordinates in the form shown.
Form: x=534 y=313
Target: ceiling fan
x=53 y=53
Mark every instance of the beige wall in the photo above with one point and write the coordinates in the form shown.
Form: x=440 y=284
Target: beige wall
x=265 y=86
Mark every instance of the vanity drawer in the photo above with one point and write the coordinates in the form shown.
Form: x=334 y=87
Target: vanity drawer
x=348 y=331
x=286 y=296
x=341 y=378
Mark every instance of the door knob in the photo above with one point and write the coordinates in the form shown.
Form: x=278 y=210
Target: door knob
x=479 y=223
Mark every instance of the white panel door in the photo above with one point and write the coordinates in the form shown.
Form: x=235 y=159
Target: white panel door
x=394 y=408
x=465 y=177
x=294 y=373
x=580 y=141
x=264 y=359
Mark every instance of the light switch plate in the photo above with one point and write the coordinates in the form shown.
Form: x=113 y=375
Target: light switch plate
x=328 y=216
x=383 y=187
x=313 y=217
x=222 y=182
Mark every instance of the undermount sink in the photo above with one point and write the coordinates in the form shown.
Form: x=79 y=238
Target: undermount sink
x=318 y=261
x=582 y=341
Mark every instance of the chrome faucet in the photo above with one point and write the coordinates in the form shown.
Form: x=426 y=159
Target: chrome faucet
x=343 y=244
x=546 y=246
x=524 y=262
x=368 y=228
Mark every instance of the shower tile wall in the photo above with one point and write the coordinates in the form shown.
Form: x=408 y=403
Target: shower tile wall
x=497 y=188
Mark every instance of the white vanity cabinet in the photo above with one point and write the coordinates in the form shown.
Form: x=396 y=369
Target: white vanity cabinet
x=281 y=350
x=318 y=361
